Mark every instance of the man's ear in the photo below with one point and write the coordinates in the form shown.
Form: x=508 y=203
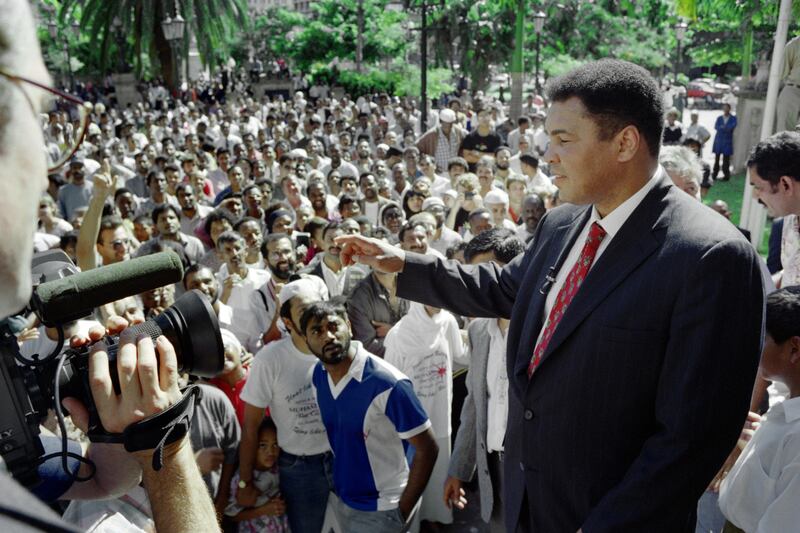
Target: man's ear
x=290 y=326
x=788 y=184
x=794 y=354
x=629 y=142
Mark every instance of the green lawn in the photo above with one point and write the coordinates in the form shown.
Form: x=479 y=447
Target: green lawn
x=731 y=192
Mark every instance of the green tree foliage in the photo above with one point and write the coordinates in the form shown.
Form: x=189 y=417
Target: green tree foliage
x=212 y=22
x=271 y=36
x=332 y=32
x=719 y=29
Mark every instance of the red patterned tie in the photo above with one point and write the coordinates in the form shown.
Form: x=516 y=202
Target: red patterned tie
x=567 y=292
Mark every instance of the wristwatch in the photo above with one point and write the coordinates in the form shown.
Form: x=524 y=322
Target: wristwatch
x=243 y=483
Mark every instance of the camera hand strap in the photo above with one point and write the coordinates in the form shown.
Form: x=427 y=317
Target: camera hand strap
x=166 y=427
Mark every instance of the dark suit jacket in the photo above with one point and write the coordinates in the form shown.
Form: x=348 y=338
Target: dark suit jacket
x=645 y=385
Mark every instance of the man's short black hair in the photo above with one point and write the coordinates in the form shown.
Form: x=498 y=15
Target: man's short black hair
x=333 y=225
x=119 y=192
x=529 y=160
x=193 y=268
x=777 y=156
x=111 y=222
x=162 y=208
x=616 y=94
x=244 y=219
x=409 y=226
x=319 y=310
x=152 y=174
x=346 y=199
x=502 y=242
x=783 y=314
x=216 y=216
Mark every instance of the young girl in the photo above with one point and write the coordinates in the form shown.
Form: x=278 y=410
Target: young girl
x=269 y=513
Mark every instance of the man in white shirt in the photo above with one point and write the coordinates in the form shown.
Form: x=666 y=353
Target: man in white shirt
x=443 y=237
x=281 y=381
x=238 y=282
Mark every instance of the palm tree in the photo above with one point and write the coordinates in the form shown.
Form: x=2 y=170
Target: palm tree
x=213 y=23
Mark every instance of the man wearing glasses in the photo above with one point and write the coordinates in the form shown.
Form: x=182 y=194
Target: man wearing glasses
x=177 y=494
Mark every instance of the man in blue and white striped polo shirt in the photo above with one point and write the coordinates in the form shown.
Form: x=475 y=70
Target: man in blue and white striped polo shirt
x=371 y=415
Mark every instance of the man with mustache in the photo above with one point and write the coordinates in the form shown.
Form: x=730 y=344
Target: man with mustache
x=369 y=409
x=279 y=254
x=775 y=177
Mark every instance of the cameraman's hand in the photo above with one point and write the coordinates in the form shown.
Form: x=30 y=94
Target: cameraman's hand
x=148 y=385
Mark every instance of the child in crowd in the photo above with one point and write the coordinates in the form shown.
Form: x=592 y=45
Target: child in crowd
x=269 y=513
x=762 y=490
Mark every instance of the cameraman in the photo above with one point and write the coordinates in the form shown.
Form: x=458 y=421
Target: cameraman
x=149 y=385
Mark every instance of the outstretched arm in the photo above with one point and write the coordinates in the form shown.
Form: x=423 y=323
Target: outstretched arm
x=482 y=290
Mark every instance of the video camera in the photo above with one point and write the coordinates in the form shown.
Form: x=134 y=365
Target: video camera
x=29 y=387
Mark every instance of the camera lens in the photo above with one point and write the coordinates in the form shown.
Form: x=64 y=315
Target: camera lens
x=191 y=326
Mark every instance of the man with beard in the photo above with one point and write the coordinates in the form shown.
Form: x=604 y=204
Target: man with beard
x=502 y=163
x=167 y=220
x=279 y=252
x=339 y=279
x=202 y=278
x=533 y=210
x=364 y=162
x=281 y=380
x=369 y=409
x=192 y=214
x=319 y=199
x=443 y=237
x=372 y=203
x=238 y=282
x=250 y=230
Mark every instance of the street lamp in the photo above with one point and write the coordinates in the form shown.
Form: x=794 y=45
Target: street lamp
x=680 y=35
x=538 y=25
x=173 y=32
x=119 y=36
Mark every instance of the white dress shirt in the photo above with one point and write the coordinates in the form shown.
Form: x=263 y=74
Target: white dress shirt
x=496 y=388
x=611 y=223
x=762 y=491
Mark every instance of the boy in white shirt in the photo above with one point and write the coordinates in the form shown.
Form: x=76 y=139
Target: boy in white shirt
x=762 y=490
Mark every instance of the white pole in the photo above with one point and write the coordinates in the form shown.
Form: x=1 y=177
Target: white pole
x=753 y=214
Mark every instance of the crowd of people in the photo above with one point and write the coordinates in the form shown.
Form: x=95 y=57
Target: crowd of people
x=252 y=196
x=334 y=409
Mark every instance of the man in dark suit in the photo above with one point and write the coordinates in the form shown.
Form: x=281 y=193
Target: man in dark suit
x=636 y=323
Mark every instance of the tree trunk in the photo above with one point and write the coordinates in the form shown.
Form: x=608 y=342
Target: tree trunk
x=517 y=70
x=165 y=58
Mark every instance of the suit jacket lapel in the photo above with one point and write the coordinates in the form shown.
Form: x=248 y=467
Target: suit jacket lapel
x=532 y=325
x=629 y=248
